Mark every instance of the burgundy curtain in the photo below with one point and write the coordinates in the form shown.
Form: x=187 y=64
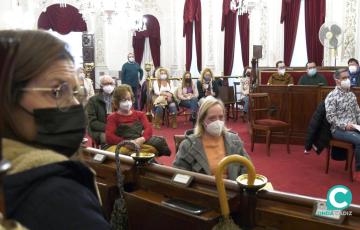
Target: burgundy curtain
x=314 y=18
x=153 y=32
x=289 y=16
x=244 y=30
x=62 y=19
x=228 y=24
x=192 y=15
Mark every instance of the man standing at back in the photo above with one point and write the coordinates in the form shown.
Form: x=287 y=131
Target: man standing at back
x=343 y=114
x=132 y=74
x=312 y=77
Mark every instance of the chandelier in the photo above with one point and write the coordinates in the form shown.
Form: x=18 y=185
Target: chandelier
x=243 y=6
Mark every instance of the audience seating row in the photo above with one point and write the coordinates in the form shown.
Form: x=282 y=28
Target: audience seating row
x=296 y=73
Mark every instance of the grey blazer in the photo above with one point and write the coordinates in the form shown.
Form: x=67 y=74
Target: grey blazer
x=191 y=155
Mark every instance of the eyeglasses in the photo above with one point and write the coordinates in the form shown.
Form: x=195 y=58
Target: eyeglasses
x=64 y=95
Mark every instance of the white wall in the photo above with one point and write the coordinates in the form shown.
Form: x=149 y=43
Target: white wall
x=114 y=41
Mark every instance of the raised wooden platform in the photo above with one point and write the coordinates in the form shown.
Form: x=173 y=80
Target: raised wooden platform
x=296 y=105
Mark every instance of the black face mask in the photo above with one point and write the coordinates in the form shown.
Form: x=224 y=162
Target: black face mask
x=188 y=80
x=61 y=131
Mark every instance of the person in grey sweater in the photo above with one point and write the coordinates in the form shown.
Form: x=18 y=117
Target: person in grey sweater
x=132 y=74
x=211 y=141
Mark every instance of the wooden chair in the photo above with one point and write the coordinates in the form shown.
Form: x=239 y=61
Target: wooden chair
x=178 y=139
x=260 y=120
x=185 y=112
x=349 y=155
x=238 y=102
x=226 y=95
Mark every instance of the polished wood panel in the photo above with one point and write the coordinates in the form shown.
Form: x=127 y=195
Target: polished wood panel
x=296 y=105
x=146 y=187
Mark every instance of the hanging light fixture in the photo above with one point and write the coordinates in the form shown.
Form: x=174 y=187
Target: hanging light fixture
x=243 y=6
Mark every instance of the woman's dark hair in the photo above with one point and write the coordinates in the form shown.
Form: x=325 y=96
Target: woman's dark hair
x=183 y=83
x=37 y=51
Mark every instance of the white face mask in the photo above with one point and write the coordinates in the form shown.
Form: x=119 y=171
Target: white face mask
x=108 y=89
x=163 y=76
x=312 y=72
x=353 y=68
x=281 y=71
x=125 y=105
x=215 y=128
x=82 y=76
x=345 y=84
x=131 y=59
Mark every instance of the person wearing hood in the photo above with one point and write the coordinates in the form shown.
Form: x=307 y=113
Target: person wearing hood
x=98 y=108
x=132 y=74
x=343 y=114
x=281 y=77
x=354 y=72
x=211 y=141
x=44 y=125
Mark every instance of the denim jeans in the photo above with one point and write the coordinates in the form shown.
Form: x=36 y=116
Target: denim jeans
x=136 y=101
x=191 y=104
x=246 y=104
x=352 y=137
x=160 y=109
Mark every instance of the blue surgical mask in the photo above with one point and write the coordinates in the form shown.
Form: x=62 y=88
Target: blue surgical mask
x=312 y=71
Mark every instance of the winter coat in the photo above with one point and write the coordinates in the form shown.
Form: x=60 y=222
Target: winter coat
x=45 y=190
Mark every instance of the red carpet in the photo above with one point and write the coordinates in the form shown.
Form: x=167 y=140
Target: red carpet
x=294 y=173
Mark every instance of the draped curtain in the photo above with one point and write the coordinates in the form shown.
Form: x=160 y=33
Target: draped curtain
x=153 y=32
x=228 y=24
x=62 y=19
x=289 y=16
x=244 y=29
x=314 y=18
x=192 y=15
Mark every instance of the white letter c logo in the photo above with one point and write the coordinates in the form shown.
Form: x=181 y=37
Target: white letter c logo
x=332 y=198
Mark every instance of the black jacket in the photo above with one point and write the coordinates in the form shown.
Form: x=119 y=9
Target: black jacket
x=96 y=112
x=319 y=133
x=55 y=196
x=215 y=87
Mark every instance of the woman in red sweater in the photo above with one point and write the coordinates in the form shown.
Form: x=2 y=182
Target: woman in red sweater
x=126 y=123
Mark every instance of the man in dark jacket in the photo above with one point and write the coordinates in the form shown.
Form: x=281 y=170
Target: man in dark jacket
x=312 y=77
x=98 y=107
x=354 y=72
x=132 y=74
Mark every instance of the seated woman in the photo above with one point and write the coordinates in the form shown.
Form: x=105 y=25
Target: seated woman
x=212 y=141
x=45 y=125
x=129 y=124
x=86 y=82
x=207 y=85
x=164 y=98
x=245 y=87
x=188 y=94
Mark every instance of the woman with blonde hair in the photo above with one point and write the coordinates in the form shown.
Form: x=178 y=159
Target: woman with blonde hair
x=212 y=141
x=164 y=98
x=207 y=85
x=187 y=93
